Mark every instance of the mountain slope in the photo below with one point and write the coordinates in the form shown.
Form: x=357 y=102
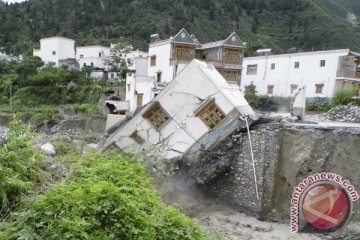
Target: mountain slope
x=280 y=24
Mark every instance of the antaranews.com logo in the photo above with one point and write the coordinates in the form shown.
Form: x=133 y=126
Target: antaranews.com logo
x=322 y=201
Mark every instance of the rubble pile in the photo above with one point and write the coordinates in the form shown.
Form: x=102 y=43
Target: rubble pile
x=348 y=113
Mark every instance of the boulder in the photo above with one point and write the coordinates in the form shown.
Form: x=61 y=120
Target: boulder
x=48 y=149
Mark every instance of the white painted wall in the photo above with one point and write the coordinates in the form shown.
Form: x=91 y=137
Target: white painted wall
x=162 y=51
x=309 y=72
x=63 y=48
x=91 y=55
x=180 y=98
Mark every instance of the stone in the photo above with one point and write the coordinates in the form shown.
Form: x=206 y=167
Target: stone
x=48 y=149
x=348 y=113
x=4 y=134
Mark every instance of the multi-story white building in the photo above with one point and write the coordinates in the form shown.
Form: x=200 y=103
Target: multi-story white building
x=168 y=57
x=56 y=50
x=94 y=56
x=321 y=72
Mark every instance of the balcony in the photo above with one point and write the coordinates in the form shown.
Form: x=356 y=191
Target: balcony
x=348 y=74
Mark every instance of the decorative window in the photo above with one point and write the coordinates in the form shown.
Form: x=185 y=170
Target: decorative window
x=54 y=53
x=137 y=138
x=157 y=116
x=296 y=64
x=270 y=89
x=319 y=88
x=153 y=61
x=231 y=76
x=251 y=69
x=211 y=114
x=293 y=87
x=322 y=63
x=272 y=66
x=183 y=53
x=232 y=55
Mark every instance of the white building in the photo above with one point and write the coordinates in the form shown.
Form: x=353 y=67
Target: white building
x=56 y=50
x=322 y=73
x=198 y=107
x=94 y=56
x=168 y=57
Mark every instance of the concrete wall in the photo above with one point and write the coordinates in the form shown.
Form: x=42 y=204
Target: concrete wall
x=284 y=157
x=309 y=72
x=162 y=52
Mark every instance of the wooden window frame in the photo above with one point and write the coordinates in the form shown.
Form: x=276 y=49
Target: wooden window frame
x=183 y=53
x=157 y=116
x=270 y=89
x=136 y=137
x=232 y=55
x=319 y=88
x=211 y=114
x=153 y=61
x=231 y=76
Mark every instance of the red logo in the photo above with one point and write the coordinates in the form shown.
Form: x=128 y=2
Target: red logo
x=325 y=206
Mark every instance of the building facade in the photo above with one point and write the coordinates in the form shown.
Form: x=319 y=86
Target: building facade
x=92 y=56
x=322 y=73
x=168 y=57
x=56 y=50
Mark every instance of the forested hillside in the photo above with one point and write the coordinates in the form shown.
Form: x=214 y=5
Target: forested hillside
x=283 y=25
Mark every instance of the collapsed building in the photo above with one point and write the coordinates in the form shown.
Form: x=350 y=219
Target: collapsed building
x=195 y=110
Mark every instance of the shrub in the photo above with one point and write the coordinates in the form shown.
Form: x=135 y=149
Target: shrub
x=20 y=165
x=318 y=105
x=250 y=95
x=343 y=97
x=108 y=197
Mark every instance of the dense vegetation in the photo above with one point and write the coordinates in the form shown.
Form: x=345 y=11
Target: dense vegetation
x=21 y=168
x=280 y=24
x=109 y=196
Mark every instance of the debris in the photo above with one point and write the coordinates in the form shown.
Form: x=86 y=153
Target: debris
x=48 y=149
x=348 y=113
x=4 y=134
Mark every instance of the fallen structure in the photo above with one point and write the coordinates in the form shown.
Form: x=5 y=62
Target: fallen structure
x=197 y=109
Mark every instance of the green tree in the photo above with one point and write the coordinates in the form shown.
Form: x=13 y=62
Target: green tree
x=120 y=61
x=251 y=96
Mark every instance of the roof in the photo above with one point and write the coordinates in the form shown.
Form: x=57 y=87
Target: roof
x=93 y=46
x=57 y=37
x=211 y=44
x=354 y=53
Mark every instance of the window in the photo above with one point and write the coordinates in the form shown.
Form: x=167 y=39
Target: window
x=84 y=64
x=157 y=116
x=322 y=63
x=137 y=138
x=128 y=87
x=211 y=114
x=112 y=75
x=183 y=53
x=293 y=87
x=296 y=65
x=54 y=53
x=319 y=88
x=92 y=64
x=153 y=61
x=251 y=69
x=158 y=76
x=232 y=55
x=231 y=76
x=270 y=89
x=272 y=66
x=99 y=54
x=81 y=56
x=139 y=99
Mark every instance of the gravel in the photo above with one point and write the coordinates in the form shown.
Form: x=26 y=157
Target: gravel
x=348 y=113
